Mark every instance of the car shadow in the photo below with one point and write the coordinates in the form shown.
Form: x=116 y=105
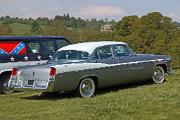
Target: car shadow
x=122 y=87
x=11 y=93
x=50 y=96
x=18 y=91
x=61 y=96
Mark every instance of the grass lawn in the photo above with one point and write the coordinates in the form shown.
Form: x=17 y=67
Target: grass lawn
x=20 y=29
x=146 y=102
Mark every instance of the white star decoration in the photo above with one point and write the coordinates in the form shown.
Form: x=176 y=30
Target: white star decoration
x=26 y=58
x=39 y=57
x=12 y=59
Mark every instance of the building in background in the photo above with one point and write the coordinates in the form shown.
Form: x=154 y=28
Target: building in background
x=106 y=28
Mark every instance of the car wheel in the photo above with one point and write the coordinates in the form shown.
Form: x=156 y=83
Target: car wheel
x=158 y=75
x=4 y=89
x=86 y=88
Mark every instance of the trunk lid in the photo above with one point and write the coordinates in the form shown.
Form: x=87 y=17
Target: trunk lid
x=38 y=72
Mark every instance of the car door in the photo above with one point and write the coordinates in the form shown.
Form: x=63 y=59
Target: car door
x=104 y=55
x=128 y=68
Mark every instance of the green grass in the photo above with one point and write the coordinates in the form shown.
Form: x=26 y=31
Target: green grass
x=144 y=102
x=20 y=29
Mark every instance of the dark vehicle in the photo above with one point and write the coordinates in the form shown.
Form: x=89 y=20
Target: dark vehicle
x=22 y=51
x=84 y=67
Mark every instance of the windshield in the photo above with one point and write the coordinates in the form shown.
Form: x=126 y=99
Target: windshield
x=70 y=55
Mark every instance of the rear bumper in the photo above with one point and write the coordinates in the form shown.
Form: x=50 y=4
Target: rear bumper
x=45 y=85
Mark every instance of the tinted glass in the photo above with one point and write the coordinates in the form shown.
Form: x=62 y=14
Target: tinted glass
x=121 y=50
x=103 y=52
x=40 y=47
x=33 y=47
x=50 y=45
x=61 y=43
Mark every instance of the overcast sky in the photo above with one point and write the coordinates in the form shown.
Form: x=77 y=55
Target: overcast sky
x=100 y=9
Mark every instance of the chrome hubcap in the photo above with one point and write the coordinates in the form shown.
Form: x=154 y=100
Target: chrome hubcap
x=86 y=87
x=158 y=75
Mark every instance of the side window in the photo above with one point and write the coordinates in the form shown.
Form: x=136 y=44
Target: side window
x=121 y=50
x=12 y=48
x=50 y=46
x=33 y=47
x=42 y=47
x=104 y=52
x=61 y=43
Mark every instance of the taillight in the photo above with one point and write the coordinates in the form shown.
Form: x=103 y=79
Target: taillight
x=14 y=72
x=52 y=72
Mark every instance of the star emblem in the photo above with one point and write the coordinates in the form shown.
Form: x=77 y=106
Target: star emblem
x=26 y=58
x=39 y=57
x=12 y=59
x=50 y=56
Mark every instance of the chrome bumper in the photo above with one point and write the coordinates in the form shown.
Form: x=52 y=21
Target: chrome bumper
x=46 y=85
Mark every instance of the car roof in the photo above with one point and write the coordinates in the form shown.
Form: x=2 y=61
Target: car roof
x=30 y=37
x=89 y=46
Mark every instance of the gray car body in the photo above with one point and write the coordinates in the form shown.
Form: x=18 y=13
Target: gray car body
x=105 y=72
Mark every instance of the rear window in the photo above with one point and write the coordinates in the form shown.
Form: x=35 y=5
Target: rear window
x=70 y=55
x=12 y=48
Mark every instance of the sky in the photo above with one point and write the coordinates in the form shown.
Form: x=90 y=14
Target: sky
x=86 y=9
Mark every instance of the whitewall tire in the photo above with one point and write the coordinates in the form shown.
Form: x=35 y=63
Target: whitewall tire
x=158 y=75
x=86 y=88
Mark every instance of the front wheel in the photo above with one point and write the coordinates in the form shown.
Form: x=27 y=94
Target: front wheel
x=4 y=89
x=158 y=75
x=86 y=88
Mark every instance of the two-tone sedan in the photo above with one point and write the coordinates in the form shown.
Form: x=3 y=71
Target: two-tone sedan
x=84 y=67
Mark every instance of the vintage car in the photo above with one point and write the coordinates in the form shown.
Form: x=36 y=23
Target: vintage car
x=84 y=67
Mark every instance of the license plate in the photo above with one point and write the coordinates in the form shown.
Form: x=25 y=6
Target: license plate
x=30 y=82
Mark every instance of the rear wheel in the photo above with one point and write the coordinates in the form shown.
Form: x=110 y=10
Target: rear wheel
x=158 y=75
x=4 y=89
x=86 y=88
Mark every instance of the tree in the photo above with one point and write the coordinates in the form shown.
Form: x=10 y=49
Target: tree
x=151 y=33
x=125 y=25
x=34 y=27
x=5 y=29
